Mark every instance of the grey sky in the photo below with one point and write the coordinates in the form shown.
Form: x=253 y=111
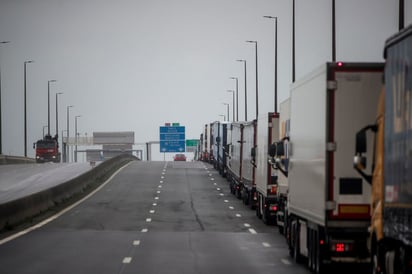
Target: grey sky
x=132 y=65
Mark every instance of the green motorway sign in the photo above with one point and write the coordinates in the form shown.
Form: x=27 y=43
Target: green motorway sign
x=192 y=143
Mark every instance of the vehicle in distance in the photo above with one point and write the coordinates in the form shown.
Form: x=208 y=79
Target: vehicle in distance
x=179 y=157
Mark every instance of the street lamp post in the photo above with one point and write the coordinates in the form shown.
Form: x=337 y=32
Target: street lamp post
x=233 y=106
x=67 y=155
x=1 y=133
x=276 y=60
x=25 y=105
x=227 y=105
x=237 y=98
x=256 y=66
x=224 y=116
x=244 y=63
x=57 y=114
x=48 y=104
x=75 y=130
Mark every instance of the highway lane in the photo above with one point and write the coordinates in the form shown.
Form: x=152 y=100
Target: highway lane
x=154 y=217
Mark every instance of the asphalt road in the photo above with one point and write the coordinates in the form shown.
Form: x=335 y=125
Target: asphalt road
x=154 y=217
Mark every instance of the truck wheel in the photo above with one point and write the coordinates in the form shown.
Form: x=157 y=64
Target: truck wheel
x=296 y=251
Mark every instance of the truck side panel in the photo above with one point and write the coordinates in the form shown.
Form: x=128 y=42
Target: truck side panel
x=398 y=140
x=307 y=176
x=248 y=144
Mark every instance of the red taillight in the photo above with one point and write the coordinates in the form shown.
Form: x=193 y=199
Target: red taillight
x=274 y=208
x=340 y=247
x=321 y=242
x=339 y=64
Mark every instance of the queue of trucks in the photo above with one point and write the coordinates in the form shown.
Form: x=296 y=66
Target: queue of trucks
x=297 y=168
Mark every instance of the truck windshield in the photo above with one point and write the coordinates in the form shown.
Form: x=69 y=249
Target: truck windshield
x=45 y=145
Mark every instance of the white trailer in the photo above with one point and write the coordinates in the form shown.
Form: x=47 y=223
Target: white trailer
x=247 y=185
x=283 y=164
x=266 y=176
x=328 y=202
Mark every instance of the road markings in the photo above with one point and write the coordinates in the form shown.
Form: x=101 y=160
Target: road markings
x=152 y=211
x=238 y=215
x=214 y=184
x=156 y=198
x=231 y=207
x=226 y=201
x=246 y=225
x=221 y=194
x=159 y=186
x=158 y=192
x=161 y=182
x=148 y=220
x=218 y=188
x=251 y=230
x=266 y=244
x=137 y=242
x=144 y=230
x=162 y=177
x=285 y=261
x=30 y=229
x=127 y=260
x=154 y=204
x=212 y=179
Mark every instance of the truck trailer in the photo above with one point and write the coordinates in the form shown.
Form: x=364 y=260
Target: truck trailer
x=220 y=136
x=266 y=177
x=391 y=176
x=240 y=166
x=328 y=201
x=281 y=163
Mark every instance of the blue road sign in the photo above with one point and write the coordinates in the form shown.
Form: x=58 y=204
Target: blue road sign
x=172 y=139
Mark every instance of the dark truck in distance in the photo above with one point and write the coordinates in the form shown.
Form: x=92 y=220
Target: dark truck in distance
x=47 y=150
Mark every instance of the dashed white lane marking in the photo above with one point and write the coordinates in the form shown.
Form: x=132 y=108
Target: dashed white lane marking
x=148 y=220
x=161 y=182
x=251 y=230
x=246 y=225
x=144 y=230
x=221 y=194
x=266 y=244
x=238 y=215
x=285 y=261
x=127 y=260
x=154 y=204
x=156 y=198
x=212 y=179
x=158 y=192
x=218 y=188
x=214 y=184
x=226 y=201
x=152 y=211
x=231 y=207
x=159 y=186
x=210 y=174
x=162 y=177
x=137 y=242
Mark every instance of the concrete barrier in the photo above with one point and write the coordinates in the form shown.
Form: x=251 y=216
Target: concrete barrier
x=9 y=160
x=25 y=209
